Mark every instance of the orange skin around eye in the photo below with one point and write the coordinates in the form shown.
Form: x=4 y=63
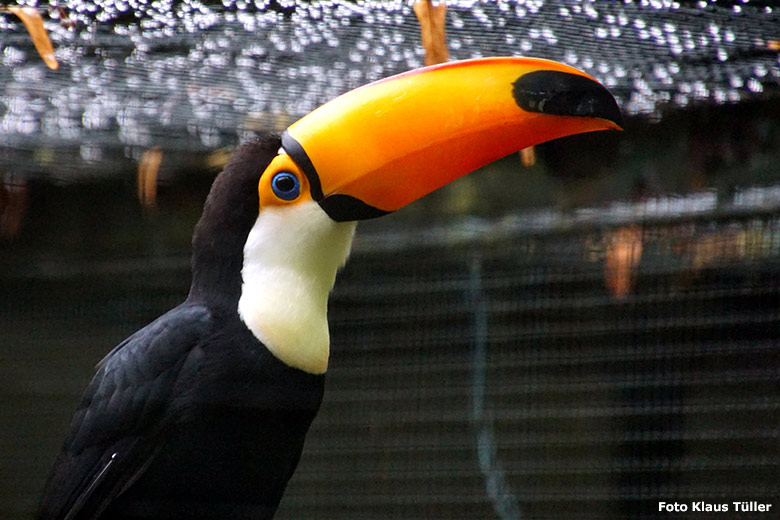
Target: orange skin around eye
x=281 y=163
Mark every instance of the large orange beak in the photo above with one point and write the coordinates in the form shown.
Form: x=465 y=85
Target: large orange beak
x=379 y=147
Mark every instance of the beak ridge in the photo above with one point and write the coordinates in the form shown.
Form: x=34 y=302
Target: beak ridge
x=379 y=147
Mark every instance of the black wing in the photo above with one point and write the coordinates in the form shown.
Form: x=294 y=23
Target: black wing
x=118 y=426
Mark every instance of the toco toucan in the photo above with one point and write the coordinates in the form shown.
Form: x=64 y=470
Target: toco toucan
x=203 y=412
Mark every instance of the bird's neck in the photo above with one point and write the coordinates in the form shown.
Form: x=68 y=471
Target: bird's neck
x=291 y=258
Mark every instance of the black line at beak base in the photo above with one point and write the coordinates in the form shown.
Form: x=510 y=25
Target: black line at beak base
x=345 y=208
x=564 y=94
x=301 y=158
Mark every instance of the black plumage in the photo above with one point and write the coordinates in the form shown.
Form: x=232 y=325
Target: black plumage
x=191 y=417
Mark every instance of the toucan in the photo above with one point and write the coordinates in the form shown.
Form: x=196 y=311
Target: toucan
x=203 y=412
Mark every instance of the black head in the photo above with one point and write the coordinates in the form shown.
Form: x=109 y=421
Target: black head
x=230 y=211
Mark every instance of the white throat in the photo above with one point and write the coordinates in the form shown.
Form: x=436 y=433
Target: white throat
x=291 y=258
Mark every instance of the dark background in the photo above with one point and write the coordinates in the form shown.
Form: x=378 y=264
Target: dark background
x=581 y=337
x=485 y=358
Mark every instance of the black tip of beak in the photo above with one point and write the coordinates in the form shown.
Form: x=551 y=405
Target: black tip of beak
x=563 y=94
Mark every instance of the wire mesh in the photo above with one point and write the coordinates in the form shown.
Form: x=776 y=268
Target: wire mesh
x=585 y=363
x=496 y=375
x=193 y=75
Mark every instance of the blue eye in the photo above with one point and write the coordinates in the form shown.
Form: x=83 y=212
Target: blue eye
x=286 y=186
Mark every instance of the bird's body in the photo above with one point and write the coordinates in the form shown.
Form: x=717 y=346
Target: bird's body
x=202 y=414
x=222 y=402
x=236 y=435
x=192 y=416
